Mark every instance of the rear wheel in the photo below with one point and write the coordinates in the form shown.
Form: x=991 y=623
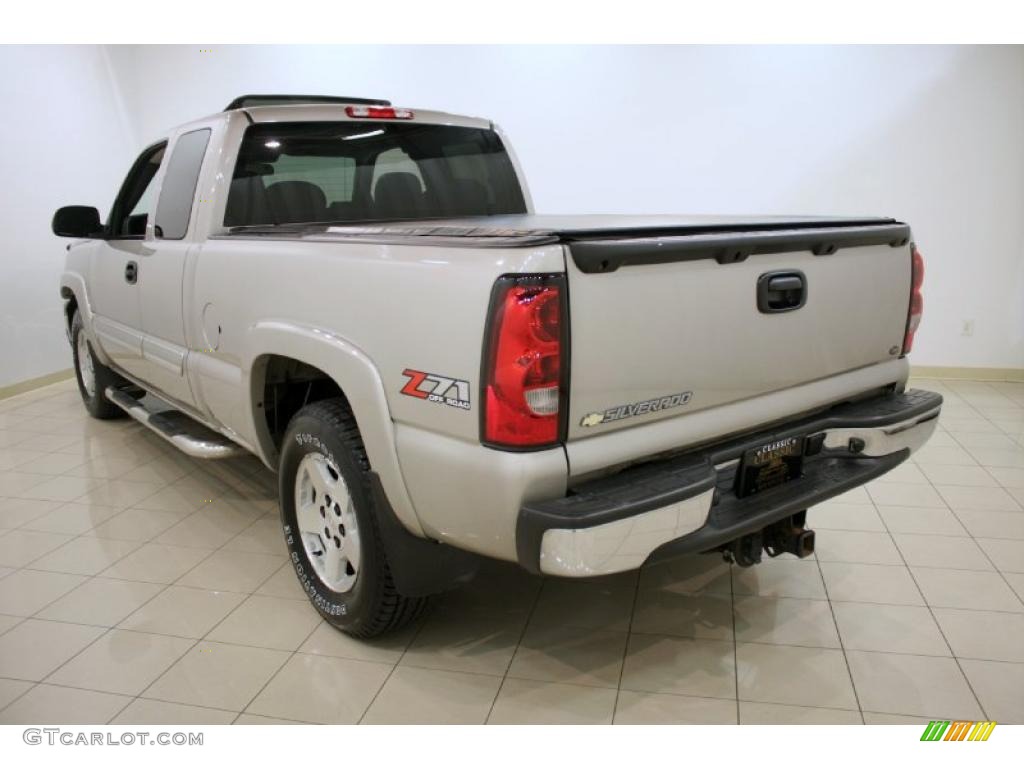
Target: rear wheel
x=331 y=527
x=93 y=377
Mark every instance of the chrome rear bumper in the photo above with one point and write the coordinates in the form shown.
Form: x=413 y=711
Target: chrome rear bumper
x=687 y=504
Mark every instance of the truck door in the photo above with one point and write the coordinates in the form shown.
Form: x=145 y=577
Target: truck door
x=164 y=344
x=114 y=283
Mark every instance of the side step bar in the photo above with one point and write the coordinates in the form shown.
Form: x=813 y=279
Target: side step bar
x=181 y=431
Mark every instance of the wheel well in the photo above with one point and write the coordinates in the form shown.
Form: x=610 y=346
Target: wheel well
x=289 y=385
x=70 y=305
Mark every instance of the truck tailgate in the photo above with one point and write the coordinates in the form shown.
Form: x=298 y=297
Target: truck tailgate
x=669 y=325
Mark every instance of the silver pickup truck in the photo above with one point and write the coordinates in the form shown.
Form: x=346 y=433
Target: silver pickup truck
x=361 y=296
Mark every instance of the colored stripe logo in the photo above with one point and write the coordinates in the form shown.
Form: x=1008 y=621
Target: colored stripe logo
x=958 y=730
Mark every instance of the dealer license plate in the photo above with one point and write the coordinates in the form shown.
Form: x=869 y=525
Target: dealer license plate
x=770 y=465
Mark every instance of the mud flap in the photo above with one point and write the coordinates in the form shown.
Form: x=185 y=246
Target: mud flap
x=420 y=567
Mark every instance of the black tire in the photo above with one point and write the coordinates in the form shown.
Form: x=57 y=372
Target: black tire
x=372 y=606
x=96 y=403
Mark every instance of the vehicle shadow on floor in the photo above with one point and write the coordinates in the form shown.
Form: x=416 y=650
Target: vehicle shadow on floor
x=603 y=632
x=595 y=632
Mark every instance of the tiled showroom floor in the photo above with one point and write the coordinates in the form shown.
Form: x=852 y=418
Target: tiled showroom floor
x=139 y=586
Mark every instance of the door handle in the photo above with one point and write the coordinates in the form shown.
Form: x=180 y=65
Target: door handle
x=781 y=291
x=131 y=272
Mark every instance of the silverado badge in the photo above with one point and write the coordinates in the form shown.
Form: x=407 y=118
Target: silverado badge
x=619 y=412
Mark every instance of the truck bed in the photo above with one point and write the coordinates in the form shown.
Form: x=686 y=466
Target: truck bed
x=528 y=229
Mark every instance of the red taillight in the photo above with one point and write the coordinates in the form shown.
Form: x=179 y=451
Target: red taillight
x=379 y=113
x=916 y=307
x=523 y=367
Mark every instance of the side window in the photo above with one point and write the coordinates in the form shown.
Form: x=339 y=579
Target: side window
x=178 y=190
x=135 y=201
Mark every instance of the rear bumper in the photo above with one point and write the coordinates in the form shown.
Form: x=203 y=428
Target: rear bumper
x=687 y=504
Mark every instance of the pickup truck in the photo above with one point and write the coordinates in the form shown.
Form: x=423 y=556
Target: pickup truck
x=361 y=296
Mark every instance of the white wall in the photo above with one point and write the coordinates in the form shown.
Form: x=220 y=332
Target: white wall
x=930 y=135
x=61 y=142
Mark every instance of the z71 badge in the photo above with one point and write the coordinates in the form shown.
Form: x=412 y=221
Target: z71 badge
x=619 y=412
x=436 y=388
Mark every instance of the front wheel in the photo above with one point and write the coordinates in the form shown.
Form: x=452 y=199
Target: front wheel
x=93 y=377
x=331 y=527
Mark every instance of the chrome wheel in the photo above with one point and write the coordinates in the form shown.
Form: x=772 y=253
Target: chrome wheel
x=327 y=522
x=86 y=369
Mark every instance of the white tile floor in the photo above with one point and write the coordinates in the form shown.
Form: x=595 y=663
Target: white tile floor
x=139 y=586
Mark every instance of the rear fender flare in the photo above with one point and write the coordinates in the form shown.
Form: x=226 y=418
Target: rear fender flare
x=354 y=372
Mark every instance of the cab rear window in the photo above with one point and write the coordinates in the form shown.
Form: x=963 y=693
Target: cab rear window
x=289 y=173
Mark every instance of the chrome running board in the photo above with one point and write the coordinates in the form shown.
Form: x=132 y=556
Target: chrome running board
x=183 y=432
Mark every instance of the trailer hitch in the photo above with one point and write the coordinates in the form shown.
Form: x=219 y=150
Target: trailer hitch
x=786 y=535
x=789 y=535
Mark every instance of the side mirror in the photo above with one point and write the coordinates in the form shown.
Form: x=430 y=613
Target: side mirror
x=77 y=221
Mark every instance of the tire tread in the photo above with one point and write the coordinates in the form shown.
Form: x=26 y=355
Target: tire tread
x=394 y=610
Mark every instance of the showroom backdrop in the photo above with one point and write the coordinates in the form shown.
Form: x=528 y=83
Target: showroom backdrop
x=930 y=135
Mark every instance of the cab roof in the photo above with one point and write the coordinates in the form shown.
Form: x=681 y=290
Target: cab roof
x=301 y=113
x=266 y=99
x=293 y=108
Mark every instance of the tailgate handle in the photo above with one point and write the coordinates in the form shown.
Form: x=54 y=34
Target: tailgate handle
x=781 y=291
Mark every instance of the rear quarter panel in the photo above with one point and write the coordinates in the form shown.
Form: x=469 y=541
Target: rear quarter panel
x=371 y=308
x=404 y=307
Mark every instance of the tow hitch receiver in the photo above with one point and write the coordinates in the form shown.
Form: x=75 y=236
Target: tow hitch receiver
x=786 y=535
